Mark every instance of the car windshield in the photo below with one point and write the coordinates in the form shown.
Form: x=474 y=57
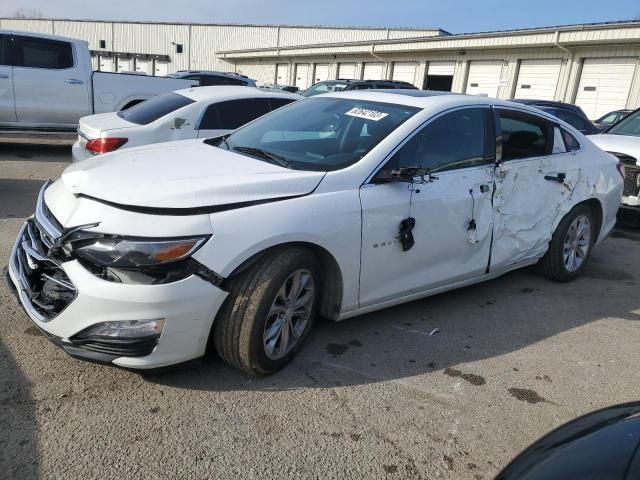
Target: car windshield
x=155 y=107
x=324 y=87
x=627 y=126
x=319 y=134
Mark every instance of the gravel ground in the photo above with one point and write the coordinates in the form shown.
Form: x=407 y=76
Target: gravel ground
x=372 y=397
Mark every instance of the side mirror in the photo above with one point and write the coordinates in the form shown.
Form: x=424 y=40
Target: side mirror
x=406 y=175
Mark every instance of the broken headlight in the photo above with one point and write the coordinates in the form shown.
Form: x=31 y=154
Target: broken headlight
x=127 y=253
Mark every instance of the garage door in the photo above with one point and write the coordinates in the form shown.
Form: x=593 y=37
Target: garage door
x=143 y=65
x=282 y=74
x=484 y=78
x=538 y=79
x=404 y=72
x=322 y=73
x=373 y=71
x=160 y=68
x=347 y=71
x=442 y=68
x=302 y=76
x=125 y=64
x=605 y=84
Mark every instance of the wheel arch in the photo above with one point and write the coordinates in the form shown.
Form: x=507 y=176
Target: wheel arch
x=596 y=208
x=332 y=282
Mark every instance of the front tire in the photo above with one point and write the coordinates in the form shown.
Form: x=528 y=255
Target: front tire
x=269 y=311
x=570 y=247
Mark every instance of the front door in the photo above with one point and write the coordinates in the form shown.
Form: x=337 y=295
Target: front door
x=534 y=179
x=7 y=104
x=453 y=212
x=50 y=83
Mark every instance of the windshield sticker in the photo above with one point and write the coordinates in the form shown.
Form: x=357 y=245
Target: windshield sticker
x=366 y=114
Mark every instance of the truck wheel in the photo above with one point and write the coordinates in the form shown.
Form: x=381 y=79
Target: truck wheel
x=269 y=311
x=570 y=246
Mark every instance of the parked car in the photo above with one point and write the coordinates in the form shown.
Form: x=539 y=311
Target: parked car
x=337 y=206
x=47 y=83
x=208 y=78
x=329 y=86
x=604 y=444
x=623 y=141
x=286 y=88
x=612 y=118
x=193 y=113
x=572 y=114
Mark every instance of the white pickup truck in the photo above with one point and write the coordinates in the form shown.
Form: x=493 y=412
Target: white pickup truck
x=47 y=83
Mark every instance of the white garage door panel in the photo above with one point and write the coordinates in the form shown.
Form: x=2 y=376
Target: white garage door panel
x=161 y=68
x=442 y=68
x=605 y=84
x=405 y=72
x=322 y=73
x=373 y=71
x=347 y=71
x=125 y=64
x=538 y=79
x=302 y=76
x=484 y=78
x=282 y=74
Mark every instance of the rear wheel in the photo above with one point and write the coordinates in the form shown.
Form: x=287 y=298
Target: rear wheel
x=269 y=312
x=570 y=246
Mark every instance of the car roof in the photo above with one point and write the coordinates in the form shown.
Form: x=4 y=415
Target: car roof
x=231 y=92
x=47 y=36
x=427 y=98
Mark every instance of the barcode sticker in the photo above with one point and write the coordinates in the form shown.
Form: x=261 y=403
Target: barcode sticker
x=366 y=114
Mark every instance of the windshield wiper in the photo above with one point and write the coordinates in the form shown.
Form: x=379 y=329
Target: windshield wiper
x=268 y=156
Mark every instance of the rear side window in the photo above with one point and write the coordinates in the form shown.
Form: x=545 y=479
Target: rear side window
x=570 y=142
x=235 y=113
x=39 y=53
x=4 y=47
x=524 y=135
x=154 y=108
x=573 y=119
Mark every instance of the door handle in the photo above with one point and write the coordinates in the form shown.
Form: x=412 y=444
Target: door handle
x=74 y=81
x=2 y=75
x=559 y=178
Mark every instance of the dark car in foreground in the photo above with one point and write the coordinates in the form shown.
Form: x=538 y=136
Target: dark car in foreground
x=572 y=114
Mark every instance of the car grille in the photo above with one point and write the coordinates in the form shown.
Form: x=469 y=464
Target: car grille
x=45 y=288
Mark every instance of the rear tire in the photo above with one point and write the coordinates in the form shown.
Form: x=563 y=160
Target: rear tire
x=570 y=246
x=259 y=329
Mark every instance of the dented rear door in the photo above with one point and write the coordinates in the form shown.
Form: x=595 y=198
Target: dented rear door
x=534 y=180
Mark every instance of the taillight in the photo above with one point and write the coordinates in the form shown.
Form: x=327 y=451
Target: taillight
x=620 y=168
x=104 y=145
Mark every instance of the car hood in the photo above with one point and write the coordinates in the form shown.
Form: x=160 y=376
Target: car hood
x=93 y=125
x=625 y=144
x=185 y=174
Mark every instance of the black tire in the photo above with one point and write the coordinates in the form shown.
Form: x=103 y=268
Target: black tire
x=240 y=324
x=552 y=265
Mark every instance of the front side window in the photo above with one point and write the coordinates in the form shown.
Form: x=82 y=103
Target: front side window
x=524 y=135
x=320 y=134
x=627 y=126
x=39 y=53
x=236 y=113
x=455 y=140
x=154 y=108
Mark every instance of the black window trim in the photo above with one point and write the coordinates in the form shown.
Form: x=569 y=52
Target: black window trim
x=13 y=55
x=489 y=156
x=550 y=126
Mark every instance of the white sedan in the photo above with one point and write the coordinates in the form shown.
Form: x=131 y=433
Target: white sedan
x=337 y=205
x=184 y=114
x=623 y=141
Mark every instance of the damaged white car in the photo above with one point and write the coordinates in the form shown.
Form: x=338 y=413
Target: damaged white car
x=335 y=206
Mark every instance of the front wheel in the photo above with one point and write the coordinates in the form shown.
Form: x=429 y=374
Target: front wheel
x=269 y=312
x=570 y=246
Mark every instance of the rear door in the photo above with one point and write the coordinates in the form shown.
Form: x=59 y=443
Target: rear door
x=50 y=83
x=7 y=103
x=223 y=117
x=534 y=178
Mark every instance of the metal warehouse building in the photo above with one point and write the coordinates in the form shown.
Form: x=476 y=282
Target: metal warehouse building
x=594 y=65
